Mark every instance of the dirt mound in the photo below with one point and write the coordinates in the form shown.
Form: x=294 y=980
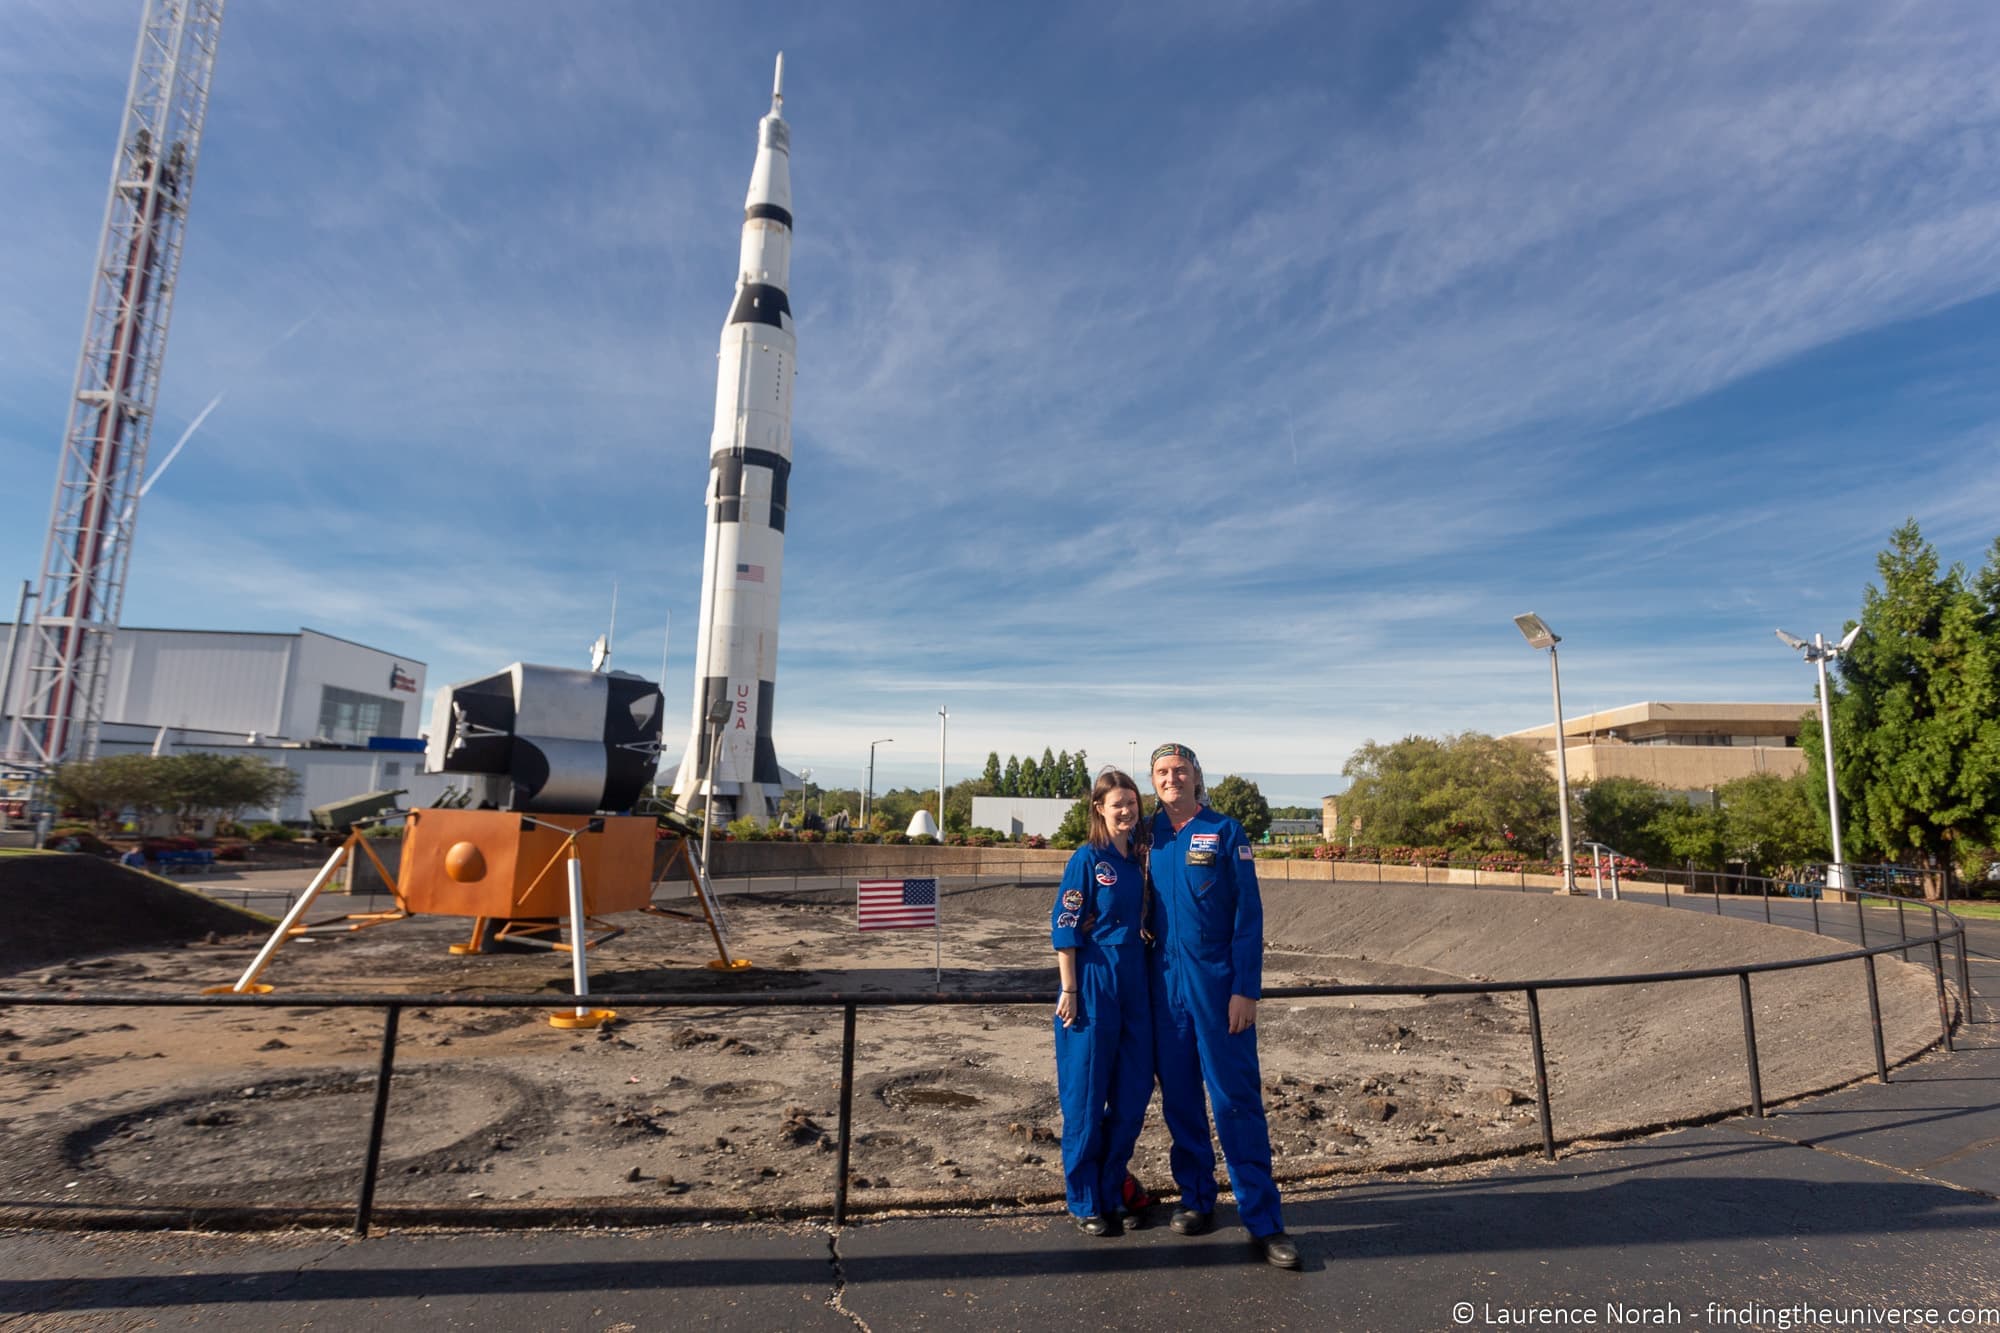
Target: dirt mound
x=66 y=906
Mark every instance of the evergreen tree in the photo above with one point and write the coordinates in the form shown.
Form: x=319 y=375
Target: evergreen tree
x=1916 y=709
x=1031 y=778
x=1063 y=774
x=1010 y=782
x=991 y=775
x=1080 y=778
x=1046 y=781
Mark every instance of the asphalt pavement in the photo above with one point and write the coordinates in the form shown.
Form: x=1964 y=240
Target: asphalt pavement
x=1876 y=1206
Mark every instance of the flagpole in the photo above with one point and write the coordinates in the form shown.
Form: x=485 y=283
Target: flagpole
x=937 y=917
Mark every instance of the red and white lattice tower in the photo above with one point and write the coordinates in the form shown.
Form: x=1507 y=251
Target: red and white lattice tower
x=103 y=462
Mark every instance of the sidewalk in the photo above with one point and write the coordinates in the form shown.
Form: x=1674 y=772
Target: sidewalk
x=1873 y=1197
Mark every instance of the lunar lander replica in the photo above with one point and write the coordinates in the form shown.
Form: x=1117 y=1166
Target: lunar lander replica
x=555 y=759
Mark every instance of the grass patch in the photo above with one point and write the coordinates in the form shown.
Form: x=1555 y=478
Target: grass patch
x=24 y=851
x=1975 y=907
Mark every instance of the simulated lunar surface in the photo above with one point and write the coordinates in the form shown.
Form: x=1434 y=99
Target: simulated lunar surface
x=730 y=1109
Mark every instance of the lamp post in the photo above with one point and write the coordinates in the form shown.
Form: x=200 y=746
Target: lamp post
x=944 y=721
x=1538 y=634
x=1132 y=764
x=1819 y=652
x=869 y=795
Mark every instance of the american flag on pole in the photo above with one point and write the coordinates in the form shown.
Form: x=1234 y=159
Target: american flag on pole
x=898 y=904
x=749 y=573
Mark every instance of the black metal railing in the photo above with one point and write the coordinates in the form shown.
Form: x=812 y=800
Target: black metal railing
x=1947 y=927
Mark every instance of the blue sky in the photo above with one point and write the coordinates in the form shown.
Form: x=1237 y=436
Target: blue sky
x=1224 y=373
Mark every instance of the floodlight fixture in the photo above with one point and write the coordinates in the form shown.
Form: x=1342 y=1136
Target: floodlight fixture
x=1536 y=631
x=1538 y=634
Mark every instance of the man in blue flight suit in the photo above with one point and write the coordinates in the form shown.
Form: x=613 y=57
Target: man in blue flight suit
x=1208 y=973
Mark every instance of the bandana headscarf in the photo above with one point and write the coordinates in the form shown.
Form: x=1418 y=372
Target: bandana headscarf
x=1175 y=748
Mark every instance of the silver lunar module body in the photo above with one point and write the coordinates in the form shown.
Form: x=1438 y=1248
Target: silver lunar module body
x=750 y=465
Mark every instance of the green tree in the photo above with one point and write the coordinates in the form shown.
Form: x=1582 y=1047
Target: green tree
x=1771 y=822
x=1691 y=835
x=103 y=789
x=1241 y=801
x=1075 y=826
x=1010 y=784
x=1916 y=709
x=1080 y=779
x=197 y=785
x=1469 y=790
x=1031 y=778
x=1047 y=783
x=1063 y=776
x=991 y=776
x=1619 y=812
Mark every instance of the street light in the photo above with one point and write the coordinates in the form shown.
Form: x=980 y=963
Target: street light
x=944 y=721
x=1132 y=765
x=1819 y=652
x=1538 y=634
x=869 y=795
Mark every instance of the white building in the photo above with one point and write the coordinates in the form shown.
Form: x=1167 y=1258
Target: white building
x=343 y=716
x=1021 y=816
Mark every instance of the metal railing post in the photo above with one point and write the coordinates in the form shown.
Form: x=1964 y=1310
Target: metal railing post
x=1875 y=1020
x=1816 y=891
x=1541 y=1075
x=1767 y=901
x=1750 y=1046
x=1902 y=932
x=1861 y=918
x=1944 y=1005
x=364 y=1207
x=846 y=1132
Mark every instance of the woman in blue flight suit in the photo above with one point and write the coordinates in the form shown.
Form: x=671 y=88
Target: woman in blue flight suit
x=1103 y=1022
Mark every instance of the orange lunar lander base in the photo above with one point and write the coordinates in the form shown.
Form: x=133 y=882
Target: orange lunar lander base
x=528 y=873
x=559 y=754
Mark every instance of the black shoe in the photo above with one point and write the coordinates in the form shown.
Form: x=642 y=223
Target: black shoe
x=1187 y=1222
x=1278 y=1249
x=1131 y=1220
x=1095 y=1225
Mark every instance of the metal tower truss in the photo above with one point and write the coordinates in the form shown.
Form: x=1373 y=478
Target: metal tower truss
x=117 y=383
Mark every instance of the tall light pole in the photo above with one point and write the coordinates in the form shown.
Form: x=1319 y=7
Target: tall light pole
x=1819 y=652
x=944 y=720
x=1538 y=634
x=869 y=794
x=1132 y=764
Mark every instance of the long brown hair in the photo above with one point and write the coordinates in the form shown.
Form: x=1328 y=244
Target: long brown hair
x=1110 y=780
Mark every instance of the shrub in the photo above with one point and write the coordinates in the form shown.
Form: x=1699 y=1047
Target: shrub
x=267 y=831
x=746 y=829
x=1034 y=842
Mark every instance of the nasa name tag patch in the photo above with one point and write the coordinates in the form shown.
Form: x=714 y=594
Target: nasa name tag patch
x=1244 y=853
x=1195 y=858
x=1205 y=842
x=1066 y=920
x=1073 y=900
x=1107 y=875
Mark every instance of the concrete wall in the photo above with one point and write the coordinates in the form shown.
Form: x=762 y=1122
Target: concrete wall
x=1680 y=767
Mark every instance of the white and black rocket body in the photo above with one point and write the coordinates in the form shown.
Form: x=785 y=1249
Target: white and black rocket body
x=749 y=473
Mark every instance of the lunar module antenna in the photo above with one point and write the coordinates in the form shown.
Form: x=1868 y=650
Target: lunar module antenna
x=117 y=384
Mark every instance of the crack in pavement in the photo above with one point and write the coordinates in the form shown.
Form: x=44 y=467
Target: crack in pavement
x=835 y=1300
x=1908 y=1172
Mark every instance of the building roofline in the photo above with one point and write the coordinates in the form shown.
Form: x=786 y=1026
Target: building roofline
x=1670 y=710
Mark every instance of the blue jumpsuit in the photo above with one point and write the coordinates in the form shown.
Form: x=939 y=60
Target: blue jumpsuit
x=1104 y=1064
x=1209 y=924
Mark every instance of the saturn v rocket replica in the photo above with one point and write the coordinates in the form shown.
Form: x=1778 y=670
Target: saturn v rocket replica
x=749 y=471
